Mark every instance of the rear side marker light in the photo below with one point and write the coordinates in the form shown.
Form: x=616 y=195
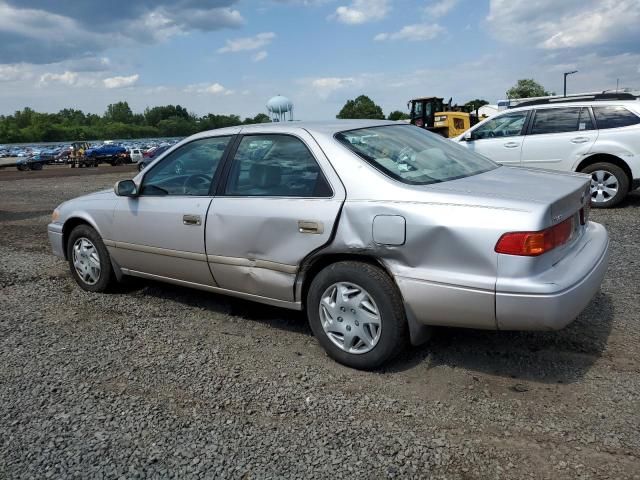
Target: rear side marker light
x=532 y=244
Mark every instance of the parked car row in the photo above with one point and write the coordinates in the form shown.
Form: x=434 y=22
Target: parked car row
x=85 y=154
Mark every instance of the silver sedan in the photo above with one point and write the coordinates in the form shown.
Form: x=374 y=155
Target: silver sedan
x=377 y=230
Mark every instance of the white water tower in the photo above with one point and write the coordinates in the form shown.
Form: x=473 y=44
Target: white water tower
x=278 y=107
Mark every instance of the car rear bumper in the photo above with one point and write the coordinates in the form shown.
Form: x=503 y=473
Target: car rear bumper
x=548 y=301
x=55 y=239
x=555 y=298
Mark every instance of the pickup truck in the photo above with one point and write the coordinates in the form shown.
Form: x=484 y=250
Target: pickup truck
x=112 y=154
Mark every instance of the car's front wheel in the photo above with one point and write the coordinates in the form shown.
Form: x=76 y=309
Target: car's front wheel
x=356 y=313
x=89 y=260
x=609 y=184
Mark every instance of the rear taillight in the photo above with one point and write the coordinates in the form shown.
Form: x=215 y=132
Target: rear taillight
x=532 y=244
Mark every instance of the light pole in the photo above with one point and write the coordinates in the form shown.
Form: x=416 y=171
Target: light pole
x=565 y=80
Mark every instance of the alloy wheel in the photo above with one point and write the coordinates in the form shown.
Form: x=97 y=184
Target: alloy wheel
x=350 y=318
x=604 y=186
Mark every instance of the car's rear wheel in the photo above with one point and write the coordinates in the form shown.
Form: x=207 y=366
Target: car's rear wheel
x=609 y=184
x=89 y=260
x=356 y=313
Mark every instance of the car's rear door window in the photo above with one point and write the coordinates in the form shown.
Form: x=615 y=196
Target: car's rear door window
x=555 y=120
x=585 y=122
x=614 y=116
x=273 y=165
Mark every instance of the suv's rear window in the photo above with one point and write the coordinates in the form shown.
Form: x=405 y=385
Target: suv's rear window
x=413 y=155
x=614 y=117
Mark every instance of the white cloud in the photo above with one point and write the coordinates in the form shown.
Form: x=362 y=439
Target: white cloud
x=248 y=43
x=361 y=11
x=325 y=86
x=209 y=88
x=66 y=78
x=552 y=25
x=418 y=32
x=439 y=8
x=12 y=72
x=261 y=55
x=121 y=82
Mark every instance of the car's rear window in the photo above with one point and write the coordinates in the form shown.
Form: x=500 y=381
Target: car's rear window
x=413 y=155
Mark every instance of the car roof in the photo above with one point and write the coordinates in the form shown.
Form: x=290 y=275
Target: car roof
x=329 y=127
x=586 y=103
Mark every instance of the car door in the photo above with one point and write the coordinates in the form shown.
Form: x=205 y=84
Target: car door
x=558 y=137
x=499 y=138
x=280 y=201
x=160 y=232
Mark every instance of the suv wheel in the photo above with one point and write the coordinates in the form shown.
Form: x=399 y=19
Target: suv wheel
x=609 y=184
x=89 y=260
x=357 y=315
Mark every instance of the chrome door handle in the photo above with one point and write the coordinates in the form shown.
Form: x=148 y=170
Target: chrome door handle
x=511 y=145
x=579 y=140
x=191 y=220
x=310 y=226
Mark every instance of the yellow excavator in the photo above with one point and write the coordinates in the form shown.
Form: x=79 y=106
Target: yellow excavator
x=445 y=119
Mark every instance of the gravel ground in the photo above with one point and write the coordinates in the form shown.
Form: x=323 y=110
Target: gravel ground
x=159 y=381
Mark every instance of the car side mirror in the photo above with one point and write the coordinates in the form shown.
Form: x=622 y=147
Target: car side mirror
x=126 y=188
x=467 y=136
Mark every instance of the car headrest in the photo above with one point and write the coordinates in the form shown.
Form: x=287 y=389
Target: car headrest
x=265 y=176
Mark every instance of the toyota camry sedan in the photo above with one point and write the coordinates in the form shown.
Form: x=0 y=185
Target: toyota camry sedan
x=376 y=230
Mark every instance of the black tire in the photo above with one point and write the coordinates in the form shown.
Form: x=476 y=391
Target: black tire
x=382 y=289
x=36 y=166
x=23 y=167
x=621 y=178
x=106 y=277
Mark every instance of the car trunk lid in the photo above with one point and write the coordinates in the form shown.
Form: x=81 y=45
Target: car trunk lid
x=563 y=195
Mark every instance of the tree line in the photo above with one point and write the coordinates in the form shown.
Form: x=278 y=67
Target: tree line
x=118 y=121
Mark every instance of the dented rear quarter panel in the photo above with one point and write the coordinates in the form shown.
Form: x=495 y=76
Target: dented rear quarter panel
x=447 y=268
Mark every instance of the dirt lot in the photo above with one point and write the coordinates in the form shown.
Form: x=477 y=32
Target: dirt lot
x=159 y=381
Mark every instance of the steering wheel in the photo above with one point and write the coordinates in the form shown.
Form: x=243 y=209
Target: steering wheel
x=196 y=182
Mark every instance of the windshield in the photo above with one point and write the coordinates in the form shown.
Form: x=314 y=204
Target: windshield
x=413 y=155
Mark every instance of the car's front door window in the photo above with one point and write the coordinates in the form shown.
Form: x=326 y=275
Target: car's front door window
x=187 y=170
x=507 y=125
